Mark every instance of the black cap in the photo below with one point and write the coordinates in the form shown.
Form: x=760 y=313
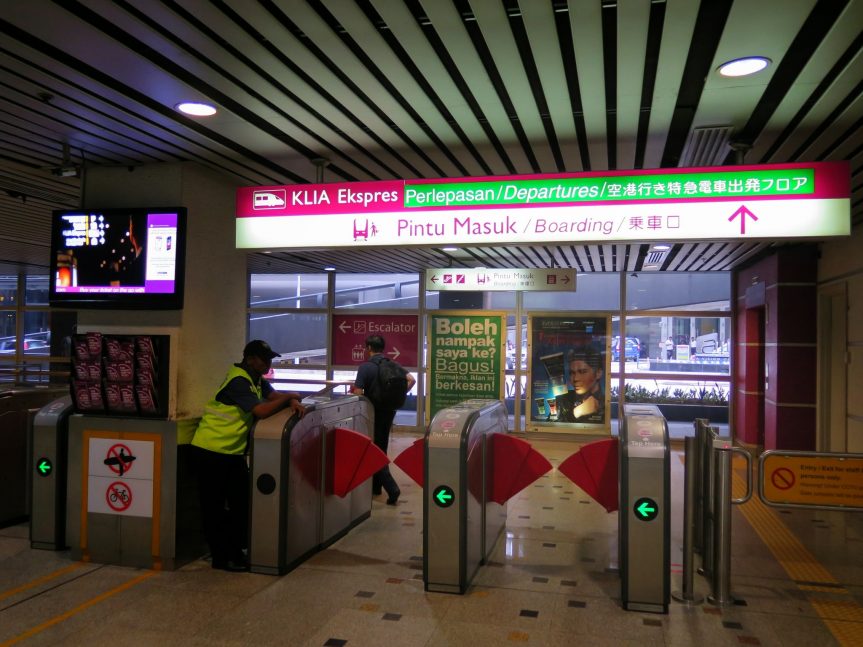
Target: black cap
x=259 y=348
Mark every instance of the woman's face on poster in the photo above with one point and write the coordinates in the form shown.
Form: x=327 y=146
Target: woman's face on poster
x=583 y=377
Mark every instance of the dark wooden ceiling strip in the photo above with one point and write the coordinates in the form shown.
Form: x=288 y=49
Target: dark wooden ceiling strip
x=709 y=26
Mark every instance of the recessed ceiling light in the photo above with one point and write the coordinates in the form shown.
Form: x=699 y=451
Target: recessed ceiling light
x=449 y=249
x=329 y=268
x=661 y=248
x=744 y=66
x=196 y=109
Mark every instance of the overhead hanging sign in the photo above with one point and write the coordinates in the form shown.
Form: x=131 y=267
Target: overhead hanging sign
x=528 y=280
x=715 y=203
x=400 y=333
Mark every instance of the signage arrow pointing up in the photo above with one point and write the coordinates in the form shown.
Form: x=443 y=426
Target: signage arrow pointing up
x=742 y=212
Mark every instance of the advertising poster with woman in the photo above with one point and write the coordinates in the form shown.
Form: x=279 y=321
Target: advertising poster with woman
x=569 y=383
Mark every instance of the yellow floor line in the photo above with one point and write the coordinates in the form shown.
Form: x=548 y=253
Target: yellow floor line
x=843 y=618
x=41 y=580
x=81 y=607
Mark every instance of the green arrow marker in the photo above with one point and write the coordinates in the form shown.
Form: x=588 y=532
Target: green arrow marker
x=645 y=509
x=44 y=467
x=443 y=496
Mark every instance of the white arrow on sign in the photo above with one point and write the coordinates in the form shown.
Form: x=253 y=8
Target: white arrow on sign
x=394 y=352
x=344 y=326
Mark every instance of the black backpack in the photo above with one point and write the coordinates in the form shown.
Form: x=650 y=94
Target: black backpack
x=389 y=390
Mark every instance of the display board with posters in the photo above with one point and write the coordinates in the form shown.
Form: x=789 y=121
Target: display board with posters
x=466 y=357
x=568 y=380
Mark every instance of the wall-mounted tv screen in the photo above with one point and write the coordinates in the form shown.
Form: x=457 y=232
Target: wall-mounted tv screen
x=118 y=258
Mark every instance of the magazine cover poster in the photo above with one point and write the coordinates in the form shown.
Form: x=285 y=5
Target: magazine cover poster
x=569 y=380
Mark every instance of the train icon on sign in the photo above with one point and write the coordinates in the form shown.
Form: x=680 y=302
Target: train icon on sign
x=272 y=199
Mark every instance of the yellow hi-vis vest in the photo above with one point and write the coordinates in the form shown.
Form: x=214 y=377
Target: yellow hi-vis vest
x=224 y=428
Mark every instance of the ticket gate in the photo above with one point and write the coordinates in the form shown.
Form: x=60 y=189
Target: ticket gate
x=294 y=512
x=48 y=461
x=645 y=509
x=460 y=522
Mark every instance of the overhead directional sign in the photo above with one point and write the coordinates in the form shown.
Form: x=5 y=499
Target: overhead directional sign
x=805 y=200
x=443 y=496
x=468 y=279
x=645 y=509
x=399 y=332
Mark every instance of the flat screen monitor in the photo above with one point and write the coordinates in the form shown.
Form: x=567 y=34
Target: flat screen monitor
x=118 y=258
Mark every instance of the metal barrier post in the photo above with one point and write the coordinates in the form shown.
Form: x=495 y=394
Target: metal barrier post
x=688 y=595
x=708 y=501
x=698 y=473
x=721 y=595
x=723 y=449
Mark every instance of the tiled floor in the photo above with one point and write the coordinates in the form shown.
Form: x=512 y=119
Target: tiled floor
x=552 y=580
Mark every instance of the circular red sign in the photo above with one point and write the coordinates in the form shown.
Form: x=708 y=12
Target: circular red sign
x=783 y=478
x=119 y=496
x=119 y=459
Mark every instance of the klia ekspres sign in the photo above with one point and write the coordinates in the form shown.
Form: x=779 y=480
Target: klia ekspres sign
x=716 y=203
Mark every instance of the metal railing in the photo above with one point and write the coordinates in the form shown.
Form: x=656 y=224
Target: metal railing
x=707 y=512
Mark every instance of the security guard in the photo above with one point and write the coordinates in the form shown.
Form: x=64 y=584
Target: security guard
x=219 y=451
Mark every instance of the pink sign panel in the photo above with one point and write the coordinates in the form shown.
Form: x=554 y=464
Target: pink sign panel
x=399 y=333
x=320 y=199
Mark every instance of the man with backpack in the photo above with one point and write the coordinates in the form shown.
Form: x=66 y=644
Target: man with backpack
x=386 y=384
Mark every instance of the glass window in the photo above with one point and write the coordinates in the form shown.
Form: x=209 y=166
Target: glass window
x=288 y=291
x=37 y=333
x=36 y=290
x=8 y=291
x=377 y=291
x=299 y=338
x=7 y=335
x=673 y=344
x=292 y=377
x=667 y=290
x=597 y=291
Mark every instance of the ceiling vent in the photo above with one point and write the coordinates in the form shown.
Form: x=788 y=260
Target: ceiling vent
x=653 y=260
x=706 y=146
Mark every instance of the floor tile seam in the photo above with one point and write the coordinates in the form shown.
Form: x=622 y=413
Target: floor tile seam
x=845 y=632
x=792 y=555
x=40 y=580
x=781 y=541
x=763 y=520
x=84 y=606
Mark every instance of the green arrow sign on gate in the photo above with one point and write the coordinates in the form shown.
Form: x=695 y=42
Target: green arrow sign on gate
x=646 y=509
x=443 y=496
x=44 y=467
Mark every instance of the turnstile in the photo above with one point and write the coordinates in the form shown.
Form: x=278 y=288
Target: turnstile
x=645 y=509
x=293 y=511
x=48 y=467
x=460 y=523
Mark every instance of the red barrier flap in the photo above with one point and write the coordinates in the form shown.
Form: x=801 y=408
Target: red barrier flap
x=355 y=459
x=412 y=461
x=515 y=465
x=593 y=468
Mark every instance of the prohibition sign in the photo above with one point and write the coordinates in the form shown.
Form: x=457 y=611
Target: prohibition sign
x=119 y=496
x=783 y=478
x=119 y=459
